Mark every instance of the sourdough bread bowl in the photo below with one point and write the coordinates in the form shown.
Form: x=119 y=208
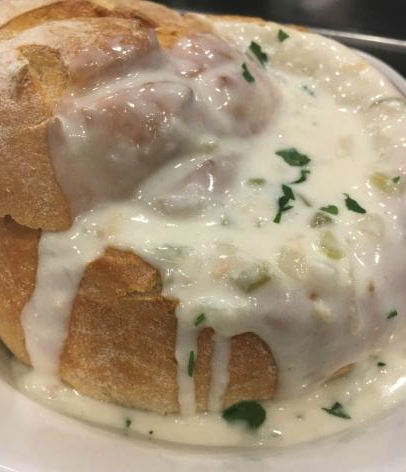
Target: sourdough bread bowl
x=119 y=306
x=130 y=337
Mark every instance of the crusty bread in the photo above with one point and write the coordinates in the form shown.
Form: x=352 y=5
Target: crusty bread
x=121 y=344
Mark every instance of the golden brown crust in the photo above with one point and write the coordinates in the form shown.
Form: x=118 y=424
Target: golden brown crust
x=237 y=19
x=203 y=367
x=28 y=190
x=122 y=335
x=34 y=74
x=18 y=261
x=19 y=15
x=121 y=344
x=169 y=32
x=252 y=370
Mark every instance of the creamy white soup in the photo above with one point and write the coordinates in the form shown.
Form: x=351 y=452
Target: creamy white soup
x=264 y=176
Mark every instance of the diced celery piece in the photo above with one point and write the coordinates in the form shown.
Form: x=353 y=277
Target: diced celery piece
x=320 y=219
x=330 y=246
x=256 y=182
x=252 y=278
x=386 y=184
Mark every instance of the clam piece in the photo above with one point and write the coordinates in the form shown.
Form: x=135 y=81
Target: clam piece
x=371 y=225
x=330 y=246
x=293 y=262
x=389 y=186
x=320 y=219
x=207 y=184
x=252 y=277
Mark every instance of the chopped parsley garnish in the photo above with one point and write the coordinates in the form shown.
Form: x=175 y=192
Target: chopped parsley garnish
x=303 y=176
x=283 y=202
x=392 y=314
x=293 y=157
x=247 y=74
x=288 y=192
x=191 y=364
x=381 y=364
x=296 y=159
x=332 y=209
x=256 y=49
x=352 y=205
x=282 y=35
x=256 y=182
x=396 y=179
x=338 y=410
x=250 y=412
x=128 y=423
x=308 y=90
x=200 y=319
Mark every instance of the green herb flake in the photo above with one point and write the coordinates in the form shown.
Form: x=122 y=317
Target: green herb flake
x=332 y=209
x=249 y=412
x=352 y=205
x=396 y=179
x=308 y=90
x=256 y=49
x=191 y=364
x=320 y=219
x=247 y=74
x=293 y=157
x=288 y=192
x=283 y=202
x=282 y=35
x=381 y=364
x=392 y=314
x=338 y=410
x=303 y=176
x=200 y=319
x=128 y=423
x=256 y=182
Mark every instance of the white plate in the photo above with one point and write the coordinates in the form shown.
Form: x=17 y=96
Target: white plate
x=35 y=439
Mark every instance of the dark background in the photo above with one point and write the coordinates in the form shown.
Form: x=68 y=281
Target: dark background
x=381 y=17
x=373 y=17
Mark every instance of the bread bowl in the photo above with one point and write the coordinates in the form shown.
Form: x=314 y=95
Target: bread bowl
x=183 y=338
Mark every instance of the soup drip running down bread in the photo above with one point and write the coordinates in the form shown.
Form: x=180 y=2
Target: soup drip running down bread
x=198 y=212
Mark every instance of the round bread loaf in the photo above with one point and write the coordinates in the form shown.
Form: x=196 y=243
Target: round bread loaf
x=122 y=331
